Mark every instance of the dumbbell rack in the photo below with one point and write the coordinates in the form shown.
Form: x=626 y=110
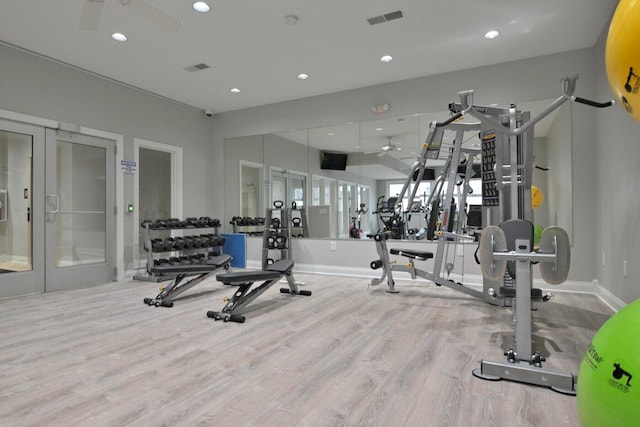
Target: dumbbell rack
x=276 y=240
x=173 y=244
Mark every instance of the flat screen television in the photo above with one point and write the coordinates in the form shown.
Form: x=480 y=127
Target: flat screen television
x=333 y=161
x=429 y=174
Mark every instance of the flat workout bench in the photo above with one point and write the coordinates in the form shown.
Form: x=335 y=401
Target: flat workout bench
x=201 y=271
x=245 y=295
x=413 y=254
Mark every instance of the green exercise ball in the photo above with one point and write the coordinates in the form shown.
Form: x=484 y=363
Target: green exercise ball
x=609 y=377
x=537 y=232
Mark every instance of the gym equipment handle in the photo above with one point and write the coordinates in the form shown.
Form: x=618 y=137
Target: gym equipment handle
x=450 y=119
x=594 y=103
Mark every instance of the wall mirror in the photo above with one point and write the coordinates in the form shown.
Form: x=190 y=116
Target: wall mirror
x=342 y=173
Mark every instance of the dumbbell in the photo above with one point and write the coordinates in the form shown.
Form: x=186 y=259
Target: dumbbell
x=178 y=243
x=197 y=241
x=191 y=221
x=196 y=259
x=184 y=260
x=158 y=224
x=157 y=245
x=168 y=243
x=281 y=242
x=188 y=242
x=174 y=260
x=162 y=261
x=214 y=223
x=271 y=242
x=203 y=221
x=213 y=240
x=204 y=240
x=173 y=223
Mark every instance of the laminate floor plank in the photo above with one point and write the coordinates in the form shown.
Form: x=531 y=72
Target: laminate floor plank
x=349 y=355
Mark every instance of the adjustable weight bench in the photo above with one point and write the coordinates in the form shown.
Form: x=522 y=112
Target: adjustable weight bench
x=201 y=272
x=245 y=295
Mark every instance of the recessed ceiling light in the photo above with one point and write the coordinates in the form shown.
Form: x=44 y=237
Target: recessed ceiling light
x=235 y=90
x=379 y=129
x=119 y=37
x=303 y=76
x=491 y=34
x=330 y=134
x=386 y=58
x=201 y=6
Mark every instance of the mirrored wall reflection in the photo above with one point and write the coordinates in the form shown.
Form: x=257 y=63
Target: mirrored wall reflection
x=16 y=153
x=344 y=175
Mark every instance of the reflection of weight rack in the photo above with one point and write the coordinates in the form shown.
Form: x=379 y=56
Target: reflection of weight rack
x=247 y=225
x=277 y=235
x=190 y=247
x=299 y=226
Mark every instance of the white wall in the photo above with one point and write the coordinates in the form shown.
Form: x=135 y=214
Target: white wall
x=39 y=87
x=617 y=193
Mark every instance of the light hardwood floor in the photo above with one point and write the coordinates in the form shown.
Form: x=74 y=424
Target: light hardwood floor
x=348 y=355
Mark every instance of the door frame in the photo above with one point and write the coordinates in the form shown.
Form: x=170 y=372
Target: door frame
x=76 y=275
x=176 y=188
x=119 y=140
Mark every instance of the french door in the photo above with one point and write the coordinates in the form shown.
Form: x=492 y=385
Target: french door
x=288 y=187
x=57 y=209
x=79 y=210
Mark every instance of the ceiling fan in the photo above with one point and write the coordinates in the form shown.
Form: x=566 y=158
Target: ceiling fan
x=388 y=147
x=92 y=11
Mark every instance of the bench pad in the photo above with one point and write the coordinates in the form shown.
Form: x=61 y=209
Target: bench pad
x=211 y=264
x=413 y=254
x=273 y=271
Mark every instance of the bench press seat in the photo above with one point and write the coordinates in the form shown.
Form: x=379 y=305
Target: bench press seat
x=413 y=254
x=183 y=271
x=211 y=264
x=246 y=292
x=273 y=271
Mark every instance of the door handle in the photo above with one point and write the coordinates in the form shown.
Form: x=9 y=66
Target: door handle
x=55 y=197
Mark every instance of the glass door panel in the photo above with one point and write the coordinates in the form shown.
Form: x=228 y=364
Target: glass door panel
x=80 y=206
x=288 y=187
x=21 y=175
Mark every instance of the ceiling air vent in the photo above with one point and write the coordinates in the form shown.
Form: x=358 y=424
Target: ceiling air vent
x=385 y=18
x=197 y=67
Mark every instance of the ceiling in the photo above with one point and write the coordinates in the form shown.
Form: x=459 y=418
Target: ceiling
x=249 y=44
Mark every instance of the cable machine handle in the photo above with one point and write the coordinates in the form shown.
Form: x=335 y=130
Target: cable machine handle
x=450 y=119
x=594 y=103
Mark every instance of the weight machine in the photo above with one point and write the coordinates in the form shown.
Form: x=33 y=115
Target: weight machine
x=506 y=244
x=441 y=226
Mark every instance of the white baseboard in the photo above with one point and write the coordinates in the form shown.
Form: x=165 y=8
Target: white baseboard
x=615 y=303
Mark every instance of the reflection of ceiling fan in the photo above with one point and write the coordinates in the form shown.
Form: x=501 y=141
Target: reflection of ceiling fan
x=93 y=9
x=387 y=148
